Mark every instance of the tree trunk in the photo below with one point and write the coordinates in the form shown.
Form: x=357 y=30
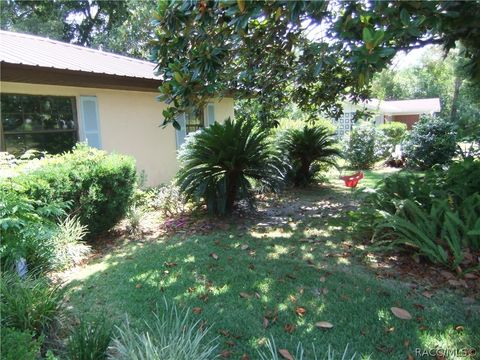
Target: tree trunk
x=456 y=91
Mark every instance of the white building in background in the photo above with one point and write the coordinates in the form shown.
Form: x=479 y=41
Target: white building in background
x=405 y=111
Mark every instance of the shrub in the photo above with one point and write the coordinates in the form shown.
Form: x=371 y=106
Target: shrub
x=394 y=132
x=28 y=305
x=68 y=247
x=219 y=164
x=364 y=146
x=169 y=200
x=26 y=229
x=90 y=340
x=17 y=344
x=306 y=149
x=171 y=336
x=432 y=141
x=97 y=185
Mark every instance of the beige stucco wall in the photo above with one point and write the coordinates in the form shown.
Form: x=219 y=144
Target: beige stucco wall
x=129 y=124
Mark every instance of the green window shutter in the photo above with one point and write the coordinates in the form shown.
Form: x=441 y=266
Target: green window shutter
x=90 y=121
x=182 y=133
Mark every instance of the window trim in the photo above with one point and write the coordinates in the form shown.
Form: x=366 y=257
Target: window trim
x=75 y=131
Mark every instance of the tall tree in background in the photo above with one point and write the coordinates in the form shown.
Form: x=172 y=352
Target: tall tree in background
x=120 y=26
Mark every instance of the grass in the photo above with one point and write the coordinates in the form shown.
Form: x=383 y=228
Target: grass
x=275 y=279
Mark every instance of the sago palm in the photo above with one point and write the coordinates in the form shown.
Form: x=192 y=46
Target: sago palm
x=218 y=165
x=306 y=149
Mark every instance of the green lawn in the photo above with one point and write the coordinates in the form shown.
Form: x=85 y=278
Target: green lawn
x=298 y=257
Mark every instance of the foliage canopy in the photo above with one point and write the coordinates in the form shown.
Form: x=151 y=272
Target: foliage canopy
x=315 y=53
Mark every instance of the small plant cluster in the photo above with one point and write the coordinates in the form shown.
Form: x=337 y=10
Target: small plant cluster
x=222 y=164
x=435 y=214
x=28 y=308
x=170 y=335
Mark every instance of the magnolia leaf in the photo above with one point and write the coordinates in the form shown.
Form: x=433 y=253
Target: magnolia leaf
x=285 y=354
x=401 y=313
x=324 y=325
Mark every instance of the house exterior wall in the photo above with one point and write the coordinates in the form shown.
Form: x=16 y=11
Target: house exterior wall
x=129 y=124
x=409 y=120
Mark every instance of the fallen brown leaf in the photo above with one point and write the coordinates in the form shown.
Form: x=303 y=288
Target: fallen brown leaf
x=225 y=354
x=324 y=325
x=401 y=313
x=245 y=295
x=224 y=332
x=214 y=256
x=427 y=294
x=197 y=310
x=244 y=247
x=245 y=357
x=390 y=329
x=289 y=328
x=323 y=279
x=285 y=354
x=459 y=328
x=138 y=286
x=300 y=311
x=265 y=323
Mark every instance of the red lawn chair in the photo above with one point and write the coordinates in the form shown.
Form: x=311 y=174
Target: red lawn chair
x=351 y=181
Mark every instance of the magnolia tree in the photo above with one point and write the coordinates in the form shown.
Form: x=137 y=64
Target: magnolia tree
x=314 y=53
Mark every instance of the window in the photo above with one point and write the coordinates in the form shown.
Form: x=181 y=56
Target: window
x=194 y=122
x=44 y=123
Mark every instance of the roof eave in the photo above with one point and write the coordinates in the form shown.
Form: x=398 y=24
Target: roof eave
x=53 y=76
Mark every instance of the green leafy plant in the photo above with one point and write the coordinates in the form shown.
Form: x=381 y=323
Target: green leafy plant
x=306 y=150
x=90 y=340
x=220 y=164
x=170 y=336
x=26 y=228
x=432 y=141
x=68 y=247
x=18 y=344
x=274 y=353
x=98 y=186
x=364 y=146
x=394 y=132
x=440 y=234
x=30 y=304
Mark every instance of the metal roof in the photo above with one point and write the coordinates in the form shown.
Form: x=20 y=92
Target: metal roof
x=23 y=49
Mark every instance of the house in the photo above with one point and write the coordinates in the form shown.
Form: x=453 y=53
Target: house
x=54 y=94
x=405 y=111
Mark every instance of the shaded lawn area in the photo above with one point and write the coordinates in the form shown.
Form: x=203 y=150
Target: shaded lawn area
x=292 y=265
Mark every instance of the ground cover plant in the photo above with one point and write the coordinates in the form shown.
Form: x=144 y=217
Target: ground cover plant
x=288 y=273
x=434 y=213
